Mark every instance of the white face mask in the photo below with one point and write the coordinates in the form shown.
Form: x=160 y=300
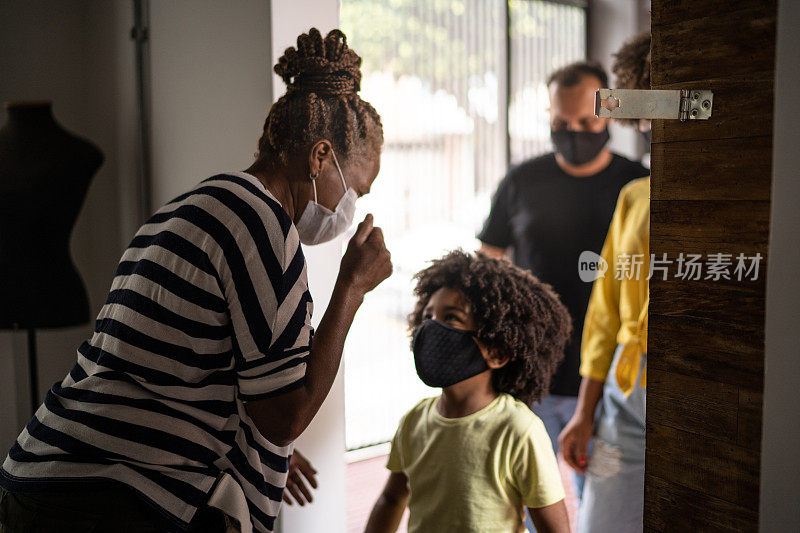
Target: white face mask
x=318 y=223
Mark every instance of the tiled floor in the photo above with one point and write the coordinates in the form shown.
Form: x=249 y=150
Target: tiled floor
x=365 y=480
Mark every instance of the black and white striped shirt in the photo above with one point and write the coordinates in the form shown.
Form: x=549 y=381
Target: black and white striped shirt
x=209 y=308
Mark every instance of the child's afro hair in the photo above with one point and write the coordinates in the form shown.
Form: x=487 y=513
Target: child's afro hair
x=514 y=313
x=632 y=67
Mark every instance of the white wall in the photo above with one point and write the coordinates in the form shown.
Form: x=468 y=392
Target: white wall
x=78 y=55
x=210 y=70
x=780 y=462
x=324 y=441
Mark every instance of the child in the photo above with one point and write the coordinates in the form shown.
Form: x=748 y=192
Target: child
x=491 y=335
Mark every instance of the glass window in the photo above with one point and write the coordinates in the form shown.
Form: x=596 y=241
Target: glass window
x=543 y=36
x=441 y=73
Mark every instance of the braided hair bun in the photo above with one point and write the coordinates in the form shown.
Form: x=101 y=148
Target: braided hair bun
x=323 y=77
x=322 y=66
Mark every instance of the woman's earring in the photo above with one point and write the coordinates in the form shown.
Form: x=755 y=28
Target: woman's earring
x=314 y=184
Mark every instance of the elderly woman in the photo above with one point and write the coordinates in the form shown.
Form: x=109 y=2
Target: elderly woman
x=181 y=410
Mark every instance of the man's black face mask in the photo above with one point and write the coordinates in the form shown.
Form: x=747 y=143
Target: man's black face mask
x=578 y=147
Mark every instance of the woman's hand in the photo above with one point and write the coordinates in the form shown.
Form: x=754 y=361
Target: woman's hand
x=295 y=483
x=366 y=263
x=574 y=440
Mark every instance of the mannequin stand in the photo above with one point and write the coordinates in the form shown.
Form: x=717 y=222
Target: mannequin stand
x=43 y=168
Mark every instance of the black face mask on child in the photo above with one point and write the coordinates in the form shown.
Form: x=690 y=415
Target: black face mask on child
x=445 y=355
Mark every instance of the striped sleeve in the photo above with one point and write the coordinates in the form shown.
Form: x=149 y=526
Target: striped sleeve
x=283 y=367
x=264 y=278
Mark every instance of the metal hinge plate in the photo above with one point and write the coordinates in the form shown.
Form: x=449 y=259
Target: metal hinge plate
x=681 y=104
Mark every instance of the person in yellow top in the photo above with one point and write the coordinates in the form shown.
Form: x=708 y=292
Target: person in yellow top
x=471 y=460
x=617 y=314
x=614 y=351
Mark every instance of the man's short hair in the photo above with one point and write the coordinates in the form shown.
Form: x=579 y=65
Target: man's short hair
x=572 y=74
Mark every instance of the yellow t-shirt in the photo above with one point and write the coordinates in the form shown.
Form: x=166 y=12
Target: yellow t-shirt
x=475 y=473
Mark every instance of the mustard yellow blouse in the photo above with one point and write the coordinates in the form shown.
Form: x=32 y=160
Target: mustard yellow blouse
x=617 y=312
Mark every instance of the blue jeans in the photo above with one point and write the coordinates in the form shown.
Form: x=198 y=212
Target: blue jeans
x=555 y=411
x=613 y=500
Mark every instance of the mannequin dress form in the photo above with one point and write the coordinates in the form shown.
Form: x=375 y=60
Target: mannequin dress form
x=45 y=173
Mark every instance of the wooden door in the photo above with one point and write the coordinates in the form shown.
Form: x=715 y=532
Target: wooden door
x=710 y=194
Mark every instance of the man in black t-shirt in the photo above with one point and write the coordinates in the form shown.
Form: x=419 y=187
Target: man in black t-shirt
x=549 y=209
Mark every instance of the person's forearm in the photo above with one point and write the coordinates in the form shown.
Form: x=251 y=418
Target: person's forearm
x=365 y=264
x=385 y=516
x=283 y=418
x=551 y=519
x=588 y=397
x=326 y=350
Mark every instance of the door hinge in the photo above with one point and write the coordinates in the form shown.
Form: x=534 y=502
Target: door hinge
x=682 y=104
